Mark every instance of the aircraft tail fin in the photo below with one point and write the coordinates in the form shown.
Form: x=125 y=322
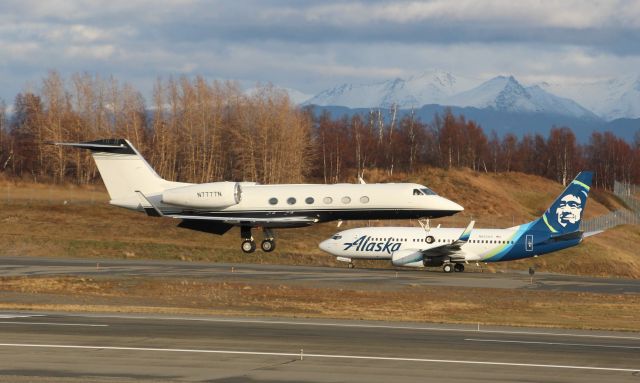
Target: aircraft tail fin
x=123 y=170
x=565 y=213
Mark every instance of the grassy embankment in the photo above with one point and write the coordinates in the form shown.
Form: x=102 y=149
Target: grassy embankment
x=45 y=220
x=413 y=303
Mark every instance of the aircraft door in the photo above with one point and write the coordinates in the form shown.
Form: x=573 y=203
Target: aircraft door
x=528 y=242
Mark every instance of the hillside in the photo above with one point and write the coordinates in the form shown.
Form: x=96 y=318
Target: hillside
x=71 y=221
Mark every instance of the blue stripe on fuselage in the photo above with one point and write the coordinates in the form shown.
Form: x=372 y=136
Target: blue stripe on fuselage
x=511 y=251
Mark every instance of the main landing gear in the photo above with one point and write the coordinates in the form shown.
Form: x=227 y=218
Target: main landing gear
x=249 y=245
x=450 y=267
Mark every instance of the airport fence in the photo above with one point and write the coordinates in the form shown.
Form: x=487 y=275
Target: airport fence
x=613 y=219
x=628 y=193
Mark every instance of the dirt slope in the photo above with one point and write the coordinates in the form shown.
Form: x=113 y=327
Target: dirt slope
x=72 y=221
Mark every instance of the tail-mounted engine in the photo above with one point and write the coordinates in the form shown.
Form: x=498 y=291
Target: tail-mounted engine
x=215 y=195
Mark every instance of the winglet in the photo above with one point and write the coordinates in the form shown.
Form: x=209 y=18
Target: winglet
x=148 y=207
x=464 y=237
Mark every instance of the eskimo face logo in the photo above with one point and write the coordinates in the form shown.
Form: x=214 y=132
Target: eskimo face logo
x=569 y=210
x=365 y=243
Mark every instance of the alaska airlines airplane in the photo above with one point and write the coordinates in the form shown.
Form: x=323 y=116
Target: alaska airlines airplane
x=557 y=229
x=217 y=206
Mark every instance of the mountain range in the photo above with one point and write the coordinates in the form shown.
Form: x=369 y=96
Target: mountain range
x=502 y=103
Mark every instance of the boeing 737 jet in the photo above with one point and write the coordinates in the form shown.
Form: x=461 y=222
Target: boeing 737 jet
x=557 y=229
x=215 y=207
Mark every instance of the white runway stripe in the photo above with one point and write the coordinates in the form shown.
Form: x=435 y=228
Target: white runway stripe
x=550 y=343
x=14 y=316
x=54 y=324
x=330 y=356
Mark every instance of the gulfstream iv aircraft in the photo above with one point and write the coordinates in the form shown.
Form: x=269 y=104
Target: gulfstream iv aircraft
x=557 y=229
x=217 y=206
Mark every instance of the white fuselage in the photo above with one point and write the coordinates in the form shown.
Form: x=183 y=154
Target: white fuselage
x=325 y=202
x=383 y=242
x=133 y=184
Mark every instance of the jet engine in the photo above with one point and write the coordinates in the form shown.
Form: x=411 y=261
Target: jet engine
x=211 y=195
x=407 y=258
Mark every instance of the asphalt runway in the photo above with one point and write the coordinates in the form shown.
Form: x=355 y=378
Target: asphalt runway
x=318 y=276
x=132 y=347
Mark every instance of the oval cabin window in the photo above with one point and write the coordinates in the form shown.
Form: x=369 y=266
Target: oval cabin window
x=273 y=201
x=364 y=199
x=309 y=200
x=327 y=200
x=346 y=199
x=291 y=201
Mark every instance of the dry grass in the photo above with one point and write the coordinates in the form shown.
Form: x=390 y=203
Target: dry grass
x=72 y=221
x=419 y=304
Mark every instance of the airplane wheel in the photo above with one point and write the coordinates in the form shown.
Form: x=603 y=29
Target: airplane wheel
x=248 y=246
x=458 y=268
x=447 y=268
x=268 y=245
x=430 y=239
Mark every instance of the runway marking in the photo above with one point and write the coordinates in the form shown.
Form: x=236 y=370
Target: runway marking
x=550 y=343
x=13 y=316
x=55 y=324
x=372 y=326
x=327 y=356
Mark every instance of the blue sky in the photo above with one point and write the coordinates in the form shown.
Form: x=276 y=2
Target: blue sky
x=314 y=45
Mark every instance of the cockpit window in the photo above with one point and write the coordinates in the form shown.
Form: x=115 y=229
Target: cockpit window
x=417 y=192
x=428 y=191
x=336 y=237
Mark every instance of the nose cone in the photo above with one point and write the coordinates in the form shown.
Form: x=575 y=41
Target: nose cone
x=326 y=245
x=454 y=206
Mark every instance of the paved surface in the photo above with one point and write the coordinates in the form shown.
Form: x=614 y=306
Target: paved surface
x=319 y=276
x=128 y=347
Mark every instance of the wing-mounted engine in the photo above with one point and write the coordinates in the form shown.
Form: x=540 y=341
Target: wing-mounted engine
x=407 y=258
x=211 y=195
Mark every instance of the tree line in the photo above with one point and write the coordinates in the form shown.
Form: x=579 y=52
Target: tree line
x=406 y=144
x=196 y=130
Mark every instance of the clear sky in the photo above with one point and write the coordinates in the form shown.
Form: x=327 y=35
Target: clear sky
x=313 y=45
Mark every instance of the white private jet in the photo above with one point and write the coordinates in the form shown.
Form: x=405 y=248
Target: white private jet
x=217 y=206
x=557 y=229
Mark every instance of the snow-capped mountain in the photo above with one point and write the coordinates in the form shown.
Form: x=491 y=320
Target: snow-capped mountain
x=607 y=99
x=506 y=94
x=295 y=96
x=430 y=87
x=610 y=98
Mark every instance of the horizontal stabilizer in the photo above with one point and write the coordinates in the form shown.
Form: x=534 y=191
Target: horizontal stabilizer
x=590 y=233
x=119 y=146
x=567 y=236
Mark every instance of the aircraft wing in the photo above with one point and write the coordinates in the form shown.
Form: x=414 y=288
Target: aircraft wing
x=450 y=249
x=248 y=220
x=154 y=211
